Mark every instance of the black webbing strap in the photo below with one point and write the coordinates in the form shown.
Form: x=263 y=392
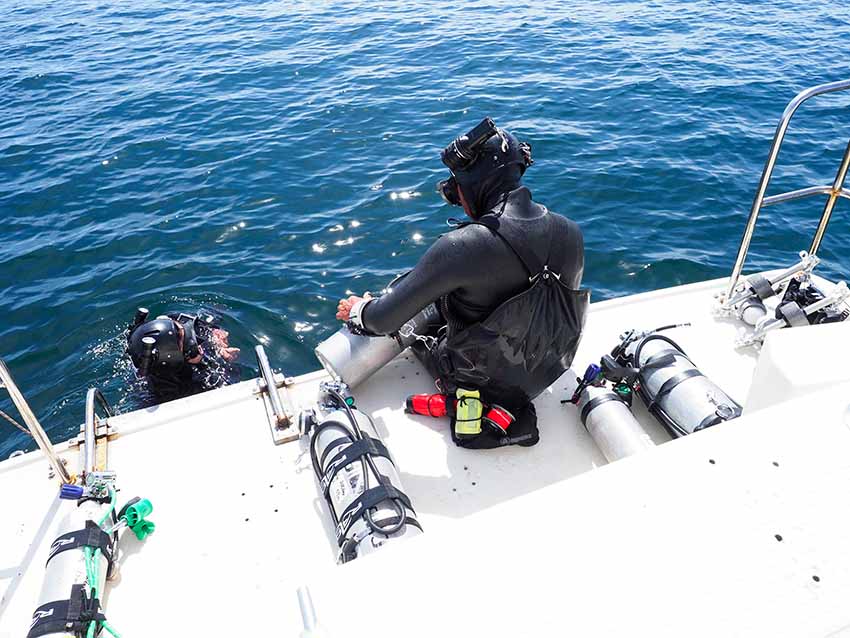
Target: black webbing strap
x=330 y=447
x=558 y=231
x=368 y=499
x=347 y=437
x=65 y=617
x=517 y=241
x=393 y=520
x=717 y=417
x=594 y=403
x=91 y=536
x=661 y=360
x=711 y=419
x=670 y=384
x=793 y=314
x=761 y=286
x=349 y=454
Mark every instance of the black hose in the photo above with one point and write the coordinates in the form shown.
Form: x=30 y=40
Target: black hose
x=314 y=457
x=671 y=326
x=621 y=349
x=655 y=337
x=397 y=505
x=656 y=409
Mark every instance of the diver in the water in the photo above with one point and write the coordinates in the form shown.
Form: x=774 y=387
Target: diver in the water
x=506 y=283
x=180 y=354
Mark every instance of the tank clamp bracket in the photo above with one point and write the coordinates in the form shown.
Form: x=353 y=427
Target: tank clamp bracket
x=272 y=389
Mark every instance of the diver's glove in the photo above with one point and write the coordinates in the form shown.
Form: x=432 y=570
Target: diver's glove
x=355 y=318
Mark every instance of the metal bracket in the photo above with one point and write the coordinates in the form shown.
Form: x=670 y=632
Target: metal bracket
x=730 y=305
x=279 y=408
x=103 y=430
x=95 y=434
x=838 y=294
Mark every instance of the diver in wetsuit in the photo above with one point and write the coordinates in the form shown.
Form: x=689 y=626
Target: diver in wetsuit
x=506 y=284
x=180 y=354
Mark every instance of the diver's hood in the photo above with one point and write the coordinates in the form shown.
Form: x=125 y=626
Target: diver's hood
x=498 y=169
x=191 y=340
x=164 y=353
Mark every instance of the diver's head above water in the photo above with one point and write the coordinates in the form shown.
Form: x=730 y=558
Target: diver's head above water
x=179 y=354
x=486 y=163
x=164 y=345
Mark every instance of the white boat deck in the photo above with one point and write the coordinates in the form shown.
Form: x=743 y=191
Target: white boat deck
x=241 y=523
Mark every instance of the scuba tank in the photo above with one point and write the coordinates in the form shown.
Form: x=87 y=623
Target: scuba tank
x=656 y=368
x=353 y=358
x=611 y=424
x=669 y=383
x=606 y=415
x=357 y=476
x=67 y=603
x=81 y=558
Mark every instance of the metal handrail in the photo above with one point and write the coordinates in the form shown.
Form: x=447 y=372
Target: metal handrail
x=38 y=433
x=835 y=191
x=90 y=428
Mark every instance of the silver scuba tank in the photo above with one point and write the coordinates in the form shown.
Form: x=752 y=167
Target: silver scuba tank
x=65 y=575
x=678 y=394
x=359 y=480
x=611 y=424
x=353 y=358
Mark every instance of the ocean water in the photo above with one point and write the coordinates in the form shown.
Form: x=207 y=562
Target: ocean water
x=262 y=159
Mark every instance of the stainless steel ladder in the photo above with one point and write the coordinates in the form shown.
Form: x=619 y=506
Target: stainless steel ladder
x=833 y=192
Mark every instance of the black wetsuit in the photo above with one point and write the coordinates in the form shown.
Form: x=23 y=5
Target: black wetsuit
x=506 y=286
x=472 y=271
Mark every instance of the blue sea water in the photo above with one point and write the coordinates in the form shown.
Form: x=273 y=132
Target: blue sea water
x=262 y=159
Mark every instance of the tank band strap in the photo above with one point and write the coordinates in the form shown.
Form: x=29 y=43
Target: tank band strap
x=670 y=384
x=793 y=314
x=330 y=447
x=711 y=419
x=393 y=520
x=714 y=419
x=349 y=454
x=594 y=403
x=662 y=359
x=761 y=286
x=347 y=437
x=368 y=499
x=91 y=536
x=65 y=617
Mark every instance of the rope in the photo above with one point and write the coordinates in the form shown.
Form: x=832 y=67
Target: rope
x=15 y=423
